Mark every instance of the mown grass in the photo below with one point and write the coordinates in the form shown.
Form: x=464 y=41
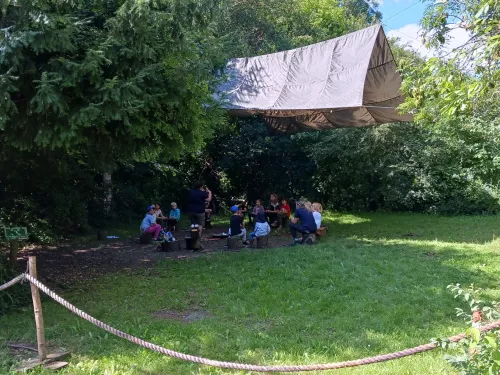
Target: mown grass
x=376 y=284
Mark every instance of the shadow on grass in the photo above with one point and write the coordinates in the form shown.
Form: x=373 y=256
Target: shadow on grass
x=343 y=299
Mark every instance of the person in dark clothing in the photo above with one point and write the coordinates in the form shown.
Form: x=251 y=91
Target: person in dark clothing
x=242 y=206
x=237 y=225
x=273 y=210
x=196 y=205
x=302 y=222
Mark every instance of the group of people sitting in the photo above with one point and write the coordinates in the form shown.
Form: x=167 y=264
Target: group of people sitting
x=237 y=223
x=151 y=222
x=198 y=209
x=306 y=220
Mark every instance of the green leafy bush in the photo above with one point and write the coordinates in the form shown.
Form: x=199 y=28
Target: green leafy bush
x=479 y=351
x=15 y=296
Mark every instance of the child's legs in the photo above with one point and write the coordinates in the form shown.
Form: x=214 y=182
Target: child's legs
x=171 y=223
x=155 y=229
x=242 y=235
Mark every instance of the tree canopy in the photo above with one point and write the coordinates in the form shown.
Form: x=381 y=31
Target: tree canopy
x=459 y=79
x=121 y=79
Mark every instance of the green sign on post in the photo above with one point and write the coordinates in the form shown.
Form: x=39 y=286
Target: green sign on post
x=19 y=233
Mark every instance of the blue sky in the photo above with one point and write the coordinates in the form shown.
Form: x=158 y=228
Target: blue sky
x=401 y=19
x=411 y=13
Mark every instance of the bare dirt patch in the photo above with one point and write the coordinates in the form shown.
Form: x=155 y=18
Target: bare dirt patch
x=60 y=266
x=184 y=316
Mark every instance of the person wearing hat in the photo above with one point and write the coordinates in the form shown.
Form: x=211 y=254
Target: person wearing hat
x=149 y=224
x=237 y=225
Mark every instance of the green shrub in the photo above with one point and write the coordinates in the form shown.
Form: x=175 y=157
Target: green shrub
x=479 y=352
x=15 y=296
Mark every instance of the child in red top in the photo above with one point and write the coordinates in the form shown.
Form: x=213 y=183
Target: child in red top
x=285 y=208
x=284 y=212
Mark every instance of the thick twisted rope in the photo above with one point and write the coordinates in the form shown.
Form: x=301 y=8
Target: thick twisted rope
x=242 y=366
x=14 y=281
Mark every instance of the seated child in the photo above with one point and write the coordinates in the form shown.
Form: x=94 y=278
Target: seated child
x=242 y=206
x=158 y=214
x=149 y=224
x=262 y=227
x=317 y=209
x=237 y=225
x=284 y=211
x=208 y=214
x=174 y=216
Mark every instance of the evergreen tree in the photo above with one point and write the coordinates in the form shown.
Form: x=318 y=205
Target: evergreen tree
x=112 y=79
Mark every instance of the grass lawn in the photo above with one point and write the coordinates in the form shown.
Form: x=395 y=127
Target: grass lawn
x=376 y=284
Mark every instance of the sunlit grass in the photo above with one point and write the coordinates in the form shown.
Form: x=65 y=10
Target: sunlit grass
x=376 y=284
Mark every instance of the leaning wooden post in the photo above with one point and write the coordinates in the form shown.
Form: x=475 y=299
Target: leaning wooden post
x=37 y=307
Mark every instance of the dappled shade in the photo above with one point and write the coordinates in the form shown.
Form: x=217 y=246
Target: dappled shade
x=348 y=81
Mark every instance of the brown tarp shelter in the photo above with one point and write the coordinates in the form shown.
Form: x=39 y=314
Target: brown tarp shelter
x=348 y=81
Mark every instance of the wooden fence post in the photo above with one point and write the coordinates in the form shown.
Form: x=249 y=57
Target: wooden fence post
x=14 y=250
x=37 y=307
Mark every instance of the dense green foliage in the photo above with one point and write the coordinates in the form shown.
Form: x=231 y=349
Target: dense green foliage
x=114 y=80
x=87 y=86
x=17 y=295
x=462 y=78
x=480 y=351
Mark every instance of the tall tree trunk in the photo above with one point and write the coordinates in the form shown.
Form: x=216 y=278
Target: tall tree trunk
x=108 y=192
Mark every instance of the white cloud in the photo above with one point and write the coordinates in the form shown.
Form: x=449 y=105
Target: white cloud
x=373 y=3
x=411 y=36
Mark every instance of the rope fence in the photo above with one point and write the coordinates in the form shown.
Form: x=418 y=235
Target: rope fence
x=12 y=282
x=235 y=365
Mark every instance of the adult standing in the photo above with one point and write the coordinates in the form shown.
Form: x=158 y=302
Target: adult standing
x=196 y=205
x=302 y=222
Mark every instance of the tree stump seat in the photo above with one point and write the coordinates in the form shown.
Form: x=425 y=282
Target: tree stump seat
x=146 y=238
x=171 y=246
x=262 y=241
x=321 y=232
x=195 y=239
x=233 y=243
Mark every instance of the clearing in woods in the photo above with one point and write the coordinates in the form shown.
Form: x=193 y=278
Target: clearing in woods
x=375 y=284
